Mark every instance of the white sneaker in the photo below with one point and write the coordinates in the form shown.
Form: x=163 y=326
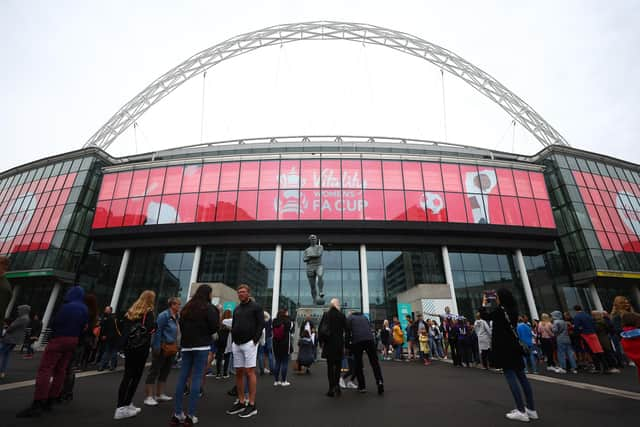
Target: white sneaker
x=559 y=371
x=277 y=383
x=124 y=412
x=533 y=415
x=134 y=409
x=351 y=385
x=517 y=416
x=341 y=383
x=551 y=368
x=285 y=384
x=614 y=371
x=150 y=401
x=266 y=371
x=163 y=398
x=194 y=419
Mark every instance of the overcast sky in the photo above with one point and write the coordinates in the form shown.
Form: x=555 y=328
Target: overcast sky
x=67 y=66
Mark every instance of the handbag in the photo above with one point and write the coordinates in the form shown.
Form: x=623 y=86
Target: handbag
x=524 y=348
x=169 y=349
x=138 y=336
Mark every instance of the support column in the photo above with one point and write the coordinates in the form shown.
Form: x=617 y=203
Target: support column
x=277 y=272
x=120 y=280
x=46 y=318
x=448 y=275
x=595 y=298
x=531 y=302
x=635 y=290
x=12 y=302
x=194 y=269
x=364 y=280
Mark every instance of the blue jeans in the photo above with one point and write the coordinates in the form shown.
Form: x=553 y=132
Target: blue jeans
x=193 y=362
x=109 y=356
x=565 y=350
x=280 y=370
x=268 y=348
x=5 y=353
x=398 y=351
x=531 y=361
x=513 y=378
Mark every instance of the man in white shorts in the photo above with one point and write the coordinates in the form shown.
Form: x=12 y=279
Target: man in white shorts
x=246 y=330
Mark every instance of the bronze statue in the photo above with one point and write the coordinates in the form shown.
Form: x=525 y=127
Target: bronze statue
x=313 y=259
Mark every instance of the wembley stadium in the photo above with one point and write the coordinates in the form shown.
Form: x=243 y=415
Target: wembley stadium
x=404 y=223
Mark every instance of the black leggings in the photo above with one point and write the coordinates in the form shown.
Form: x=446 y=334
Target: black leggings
x=220 y=355
x=484 y=355
x=547 y=350
x=333 y=372
x=133 y=368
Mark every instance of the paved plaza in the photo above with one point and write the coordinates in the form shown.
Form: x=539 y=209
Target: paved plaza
x=415 y=394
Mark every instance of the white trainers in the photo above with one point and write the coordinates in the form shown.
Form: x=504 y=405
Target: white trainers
x=551 y=368
x=134 y=408
x=341 y=383
x=517 y=416
x=277 y=383
x=267 y=371
x=124 y=412
x=559 y=371
x=163 y=398
x=532 y=414
x=351 y=385
x=194 y=419
x=285 y=384
x=150 y=401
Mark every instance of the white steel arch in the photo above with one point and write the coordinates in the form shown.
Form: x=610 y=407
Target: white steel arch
x=519 y=110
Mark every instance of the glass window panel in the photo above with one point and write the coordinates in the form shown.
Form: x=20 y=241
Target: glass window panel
x=116 y=213
x=247 y=205
x=505 y=182
x=331 y=175
x=373 y=204
x=289 y=174
x=55 y=218
x=494 y=210
x=191 y=178
x=187 y=208
x=412 y=175
x=168 y=209
x=522 y=183
x=53 y=198
x=310 y=174
x=588 y=179
x=226 y=208
x=288 y=204
x=249 y=175
x=155 y=184
x=606 y=198
x=173 y=180
x=529 y=213
x=60 y=181
x=44 y=221
x=269 y=174
x=229 y=178
x=435 y=206
x=133 y=213
x=415 y=206
x=372 y=174
x=351 y=174
x=151 y=209
x=122 y=185
x=538 y=185
x=451 y=178
x=432 y=176
x=331 y=204
x=599 y=182
x=511 y=208
x=617 y=221
x=37 y=216
x=545 y=214
x=471 y=261
x=139 y=182
x=331 y=260
x=291 y=259
x=594 y=217
x=394 y=206
x=595 y=196
x=106 y=188
x=476 y=211
x=352 y=205
x=392 y=175
x=614 y=241
x=456 y=211
x=206 y=208
x=489 y=262
x=608 y=182
x=210 y=177
x=267 y=205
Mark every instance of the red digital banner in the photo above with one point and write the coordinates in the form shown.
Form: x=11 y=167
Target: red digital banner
x=347 y=190
x=30 y=213
x=613 y=206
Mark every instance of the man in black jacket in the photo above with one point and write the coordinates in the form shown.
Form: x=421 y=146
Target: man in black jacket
x=361 y=340
x=109 y=338
x=331 y=333
x=246 y=330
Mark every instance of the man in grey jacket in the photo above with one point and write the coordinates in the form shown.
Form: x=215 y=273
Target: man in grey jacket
x=13 y=337
x=361 y=339
x=565 y=350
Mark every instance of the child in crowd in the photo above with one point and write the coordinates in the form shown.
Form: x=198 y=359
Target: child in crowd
x=425 y=355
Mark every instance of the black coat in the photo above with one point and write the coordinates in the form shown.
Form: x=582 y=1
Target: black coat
x=281 y=348
x=505 y=349
x=333 y=344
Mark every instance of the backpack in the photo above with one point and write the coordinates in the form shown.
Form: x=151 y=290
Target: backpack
x=278 y=332
x=138 y=336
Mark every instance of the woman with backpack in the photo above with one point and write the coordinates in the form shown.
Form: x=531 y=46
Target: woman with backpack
x=281 y=347
x=139 y=326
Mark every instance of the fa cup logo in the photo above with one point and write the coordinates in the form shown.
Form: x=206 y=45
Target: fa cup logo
x=289 y=199
x=480 y=185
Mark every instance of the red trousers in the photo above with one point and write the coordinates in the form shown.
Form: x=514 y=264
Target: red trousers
x=56 y=357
